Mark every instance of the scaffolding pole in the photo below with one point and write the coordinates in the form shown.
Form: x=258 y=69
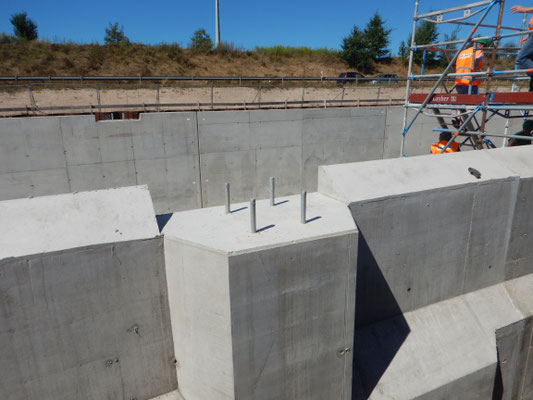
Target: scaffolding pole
x=489 y=5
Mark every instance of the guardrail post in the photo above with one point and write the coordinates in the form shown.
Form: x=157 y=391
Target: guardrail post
x=212 y=105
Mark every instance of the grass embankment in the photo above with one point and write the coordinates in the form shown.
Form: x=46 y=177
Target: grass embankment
x=51 y=59
x=42 y=58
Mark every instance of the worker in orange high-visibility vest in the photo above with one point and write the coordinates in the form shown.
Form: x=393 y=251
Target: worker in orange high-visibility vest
x=464 y=64
x=524 y=59
x=444 y=138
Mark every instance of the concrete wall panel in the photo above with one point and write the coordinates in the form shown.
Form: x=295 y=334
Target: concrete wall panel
x=80 y=139
x=33 y=183
x=115 y=139
x=238 y=168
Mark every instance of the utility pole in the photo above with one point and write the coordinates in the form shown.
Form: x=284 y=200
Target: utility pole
x=217 y=25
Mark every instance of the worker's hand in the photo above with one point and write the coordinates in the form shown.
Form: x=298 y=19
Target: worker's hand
x=518 y=9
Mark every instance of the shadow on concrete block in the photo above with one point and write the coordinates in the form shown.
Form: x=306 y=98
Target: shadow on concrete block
x=374 y=349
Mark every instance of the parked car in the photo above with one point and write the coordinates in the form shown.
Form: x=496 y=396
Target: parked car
x=385 y=78
x=349 y=77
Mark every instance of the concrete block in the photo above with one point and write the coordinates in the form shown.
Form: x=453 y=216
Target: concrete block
x=86 y=311
x=445 y=350
x=429 y=229
x=272 y=312
x=514 y=351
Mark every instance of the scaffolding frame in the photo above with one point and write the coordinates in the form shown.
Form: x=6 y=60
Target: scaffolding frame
x=464 y=118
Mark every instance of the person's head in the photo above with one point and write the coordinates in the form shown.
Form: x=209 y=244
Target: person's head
x=527 y=126
x=482 y=43
x=445 y=136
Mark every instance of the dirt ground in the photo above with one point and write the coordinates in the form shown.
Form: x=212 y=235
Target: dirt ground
x=35 y=101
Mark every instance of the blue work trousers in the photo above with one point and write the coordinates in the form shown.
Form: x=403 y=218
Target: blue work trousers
x=524 y=60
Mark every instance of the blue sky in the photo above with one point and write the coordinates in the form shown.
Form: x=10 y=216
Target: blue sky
x=244 y=23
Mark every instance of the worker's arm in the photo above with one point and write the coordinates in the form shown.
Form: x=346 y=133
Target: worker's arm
x=520 y=9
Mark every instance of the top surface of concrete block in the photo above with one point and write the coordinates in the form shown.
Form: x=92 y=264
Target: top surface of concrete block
x=278 y=225
x=52 y=223
x=389 y=178
x=516 y=159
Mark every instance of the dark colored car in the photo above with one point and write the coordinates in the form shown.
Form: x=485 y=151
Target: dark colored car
x=385 y=78
x=349 y=77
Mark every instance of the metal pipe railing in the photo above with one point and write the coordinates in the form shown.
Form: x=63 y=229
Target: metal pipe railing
x=486 y=134
x=453 y=9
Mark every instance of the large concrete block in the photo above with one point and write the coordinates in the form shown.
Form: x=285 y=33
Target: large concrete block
x=86 y=310
x=266 y=315
x=429 y=230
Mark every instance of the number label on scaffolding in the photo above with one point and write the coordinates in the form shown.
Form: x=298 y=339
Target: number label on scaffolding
x=439 y=18
x=467 y=12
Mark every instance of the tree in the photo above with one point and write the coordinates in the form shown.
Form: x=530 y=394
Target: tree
x=23 y=27
x=355 y=51
x=377 y=37
x=114 y=35
x=445 y=58
x=426 y=33
x=200 y=40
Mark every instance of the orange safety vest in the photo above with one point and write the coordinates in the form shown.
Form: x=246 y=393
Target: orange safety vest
x=530 y=27
x=437 y=147
x=464 y=64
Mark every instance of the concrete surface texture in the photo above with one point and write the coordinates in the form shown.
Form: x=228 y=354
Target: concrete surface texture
x=185 y=158
x=265 y=315
x=450 y=349
x=84 y=308
x=52 y=223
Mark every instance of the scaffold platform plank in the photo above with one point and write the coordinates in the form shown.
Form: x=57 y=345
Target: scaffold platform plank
x=474 y=99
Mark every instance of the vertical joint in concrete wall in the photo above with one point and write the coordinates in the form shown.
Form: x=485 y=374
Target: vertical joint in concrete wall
x=303 y=203
x=252 y=216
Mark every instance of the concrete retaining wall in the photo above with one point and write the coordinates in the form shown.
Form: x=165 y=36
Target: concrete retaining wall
x=185 y=158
